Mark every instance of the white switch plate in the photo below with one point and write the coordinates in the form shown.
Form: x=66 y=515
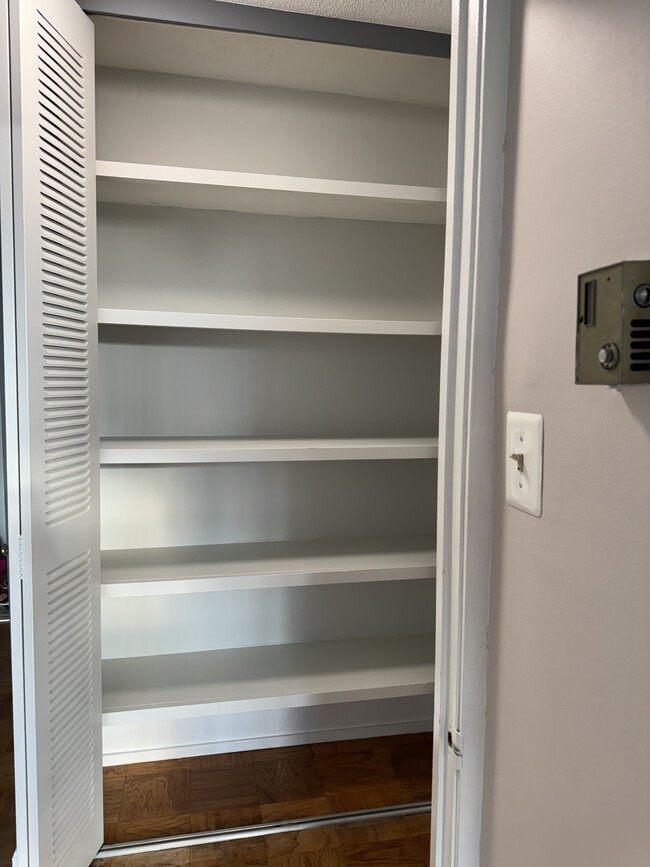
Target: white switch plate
x=524 y=436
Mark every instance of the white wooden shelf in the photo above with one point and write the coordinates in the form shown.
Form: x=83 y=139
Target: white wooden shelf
x=176 y=686
x=173 y=186
x=190 y=450
x=234 y=322
x=250 y=566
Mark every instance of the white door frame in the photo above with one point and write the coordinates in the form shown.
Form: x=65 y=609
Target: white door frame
x=478 y=101
x=10 y=398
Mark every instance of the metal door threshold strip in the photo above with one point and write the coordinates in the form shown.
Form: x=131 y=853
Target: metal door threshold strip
x=202 y=838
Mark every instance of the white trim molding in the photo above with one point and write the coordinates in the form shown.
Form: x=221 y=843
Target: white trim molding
x=479 y=85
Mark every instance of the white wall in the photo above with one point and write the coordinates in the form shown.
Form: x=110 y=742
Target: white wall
x=568 y=738
x=419 y=14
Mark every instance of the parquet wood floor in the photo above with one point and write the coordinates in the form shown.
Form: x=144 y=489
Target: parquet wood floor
x=387 y=843
x=7 y=811
x=212 y=792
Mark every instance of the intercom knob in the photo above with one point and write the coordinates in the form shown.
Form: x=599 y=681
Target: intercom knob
x=609 y=356
x=642 y=295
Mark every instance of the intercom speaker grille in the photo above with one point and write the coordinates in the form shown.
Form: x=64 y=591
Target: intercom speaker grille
x=64 y=275
x=640 y=345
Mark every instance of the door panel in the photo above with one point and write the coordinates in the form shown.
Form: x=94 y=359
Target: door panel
x=52 y=103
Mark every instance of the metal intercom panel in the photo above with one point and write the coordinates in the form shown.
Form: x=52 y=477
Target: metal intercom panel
x=613 y=328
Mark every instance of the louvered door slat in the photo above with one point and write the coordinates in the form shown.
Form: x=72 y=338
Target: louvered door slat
x=57 y=347
x=51 y=133
x=52 y=215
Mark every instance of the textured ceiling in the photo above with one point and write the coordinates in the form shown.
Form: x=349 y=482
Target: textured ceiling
x=419 y=14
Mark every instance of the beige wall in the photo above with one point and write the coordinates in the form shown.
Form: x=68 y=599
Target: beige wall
x=568 y=737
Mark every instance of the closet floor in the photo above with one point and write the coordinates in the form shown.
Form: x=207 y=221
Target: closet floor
x=181 y=796
x=7 y=798
x=404 y=842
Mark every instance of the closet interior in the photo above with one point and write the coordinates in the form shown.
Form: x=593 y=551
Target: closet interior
x=270 y=271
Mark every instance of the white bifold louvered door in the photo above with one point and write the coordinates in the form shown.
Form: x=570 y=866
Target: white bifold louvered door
x=53 y=142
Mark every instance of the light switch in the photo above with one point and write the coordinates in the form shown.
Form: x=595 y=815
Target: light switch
x=524 y=441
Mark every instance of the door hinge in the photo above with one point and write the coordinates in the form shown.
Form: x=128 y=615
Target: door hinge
x=455 y=747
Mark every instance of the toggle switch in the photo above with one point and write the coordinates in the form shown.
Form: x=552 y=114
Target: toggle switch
x=518 y=457
x=524 y=441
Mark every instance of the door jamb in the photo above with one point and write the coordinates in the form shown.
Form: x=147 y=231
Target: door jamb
x=478 y=103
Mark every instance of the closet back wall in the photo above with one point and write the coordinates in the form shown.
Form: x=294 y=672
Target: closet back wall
x=226 y=383
x=176 y=120
x=258 y=264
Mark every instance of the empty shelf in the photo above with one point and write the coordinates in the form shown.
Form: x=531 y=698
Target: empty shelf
x=190 y=450
x=173 y=186
x=234 y=322
x=247 y=566
x=266 y=678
